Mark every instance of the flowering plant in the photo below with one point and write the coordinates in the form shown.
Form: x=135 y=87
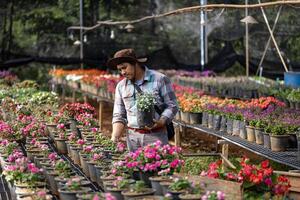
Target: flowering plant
x=72 y=110
x=73 y=184
x=6 y=131
x=22 y=172
x=63 y=168
x=86 y=119
x=145 y=101
x=259 y=178
x=153 y=158
x=34 y=129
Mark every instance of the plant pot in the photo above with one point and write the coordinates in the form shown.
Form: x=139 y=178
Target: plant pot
x=279 y=142
x=292 y=141
x=149 y=197
x=259 y=137
x=229 y=126
x=210 y=121
x=155 y=184
x=292 y=105
x=145 y=118
x=75 y=154
x=297 y=105
x=250 y=134
x=84 y=165
x=243 y=132
x=92 y=171
x=135 y=175
x=217 y=122
x=71 y=195
x=165 y=186
x=175 y=194
x=144 y=176
x=117 y=193
x=236 y=127
x=190 y=196
x=223 y=124
x=185 y=117
x=267 y=140
x=205 y=119
x=61 y=145
x=128 y=195
x=195 y=118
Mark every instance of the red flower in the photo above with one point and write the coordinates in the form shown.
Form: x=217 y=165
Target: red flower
x=265 y=164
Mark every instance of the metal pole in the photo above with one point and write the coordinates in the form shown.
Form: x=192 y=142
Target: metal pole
x=269 y=40
x=247 y=41
x=273 y=38
x=203 y=37
x=81 y=33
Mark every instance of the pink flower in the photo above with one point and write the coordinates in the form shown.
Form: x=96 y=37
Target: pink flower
x=33 y=169
x=41 y=194
x=94 y=130
x=60 y=126
x=220 y=195
x=268 y=181
x=80 y=142
x=88 y=148
x=96 y=197
x=109 y=196
x=52 y=156
x=121 y=147
x=174 y=163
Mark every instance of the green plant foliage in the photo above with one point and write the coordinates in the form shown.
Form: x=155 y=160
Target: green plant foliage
x=195 y=165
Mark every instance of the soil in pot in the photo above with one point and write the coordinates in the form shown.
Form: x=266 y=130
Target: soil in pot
x=130 y=194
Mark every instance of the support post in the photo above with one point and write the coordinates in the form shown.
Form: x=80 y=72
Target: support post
x=225 y=147
x=85 y=99
x=73 y=96
x=203 y=36
x=101 y=114
x=269 y=40
x=273 y=38
x=247 y=41
x=63 y=93
x=177 y=136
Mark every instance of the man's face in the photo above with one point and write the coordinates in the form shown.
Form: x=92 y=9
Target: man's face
x=126 y=70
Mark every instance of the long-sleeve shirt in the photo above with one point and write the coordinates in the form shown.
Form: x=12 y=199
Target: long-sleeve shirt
x=125 y=106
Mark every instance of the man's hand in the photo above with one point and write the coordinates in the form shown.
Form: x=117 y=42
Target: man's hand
x=158 y=123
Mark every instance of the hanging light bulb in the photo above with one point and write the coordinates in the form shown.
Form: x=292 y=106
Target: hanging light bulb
x=129 y=27
x=77 y=43
x=85 y=38
x=71 y=36
x=112 y=34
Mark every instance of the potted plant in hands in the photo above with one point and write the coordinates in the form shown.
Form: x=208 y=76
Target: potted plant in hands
x=138 y=189
x=145 y=109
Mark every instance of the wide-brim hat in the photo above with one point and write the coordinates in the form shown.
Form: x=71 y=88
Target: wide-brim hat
x=124 y=55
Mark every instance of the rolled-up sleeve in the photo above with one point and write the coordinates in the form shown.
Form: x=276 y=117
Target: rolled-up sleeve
x=169 y=98
x=119 y=112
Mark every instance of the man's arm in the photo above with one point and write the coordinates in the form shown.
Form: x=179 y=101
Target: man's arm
x=117 y=130
x=119 y=119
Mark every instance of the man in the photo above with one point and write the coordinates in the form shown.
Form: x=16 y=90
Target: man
x=125 y=109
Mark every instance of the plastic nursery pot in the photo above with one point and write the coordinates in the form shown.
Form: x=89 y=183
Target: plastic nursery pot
x=155 y=183
x=71 y=195
x=259 y=137
x=243 y=132
x=190 y=196
x=185 y=117
x=279 y=142
x=128 y=194
x=250 y=134
x=195 y=118
x=267 y=140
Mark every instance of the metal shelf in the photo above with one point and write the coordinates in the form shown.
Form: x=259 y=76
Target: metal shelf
x=288 y=157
